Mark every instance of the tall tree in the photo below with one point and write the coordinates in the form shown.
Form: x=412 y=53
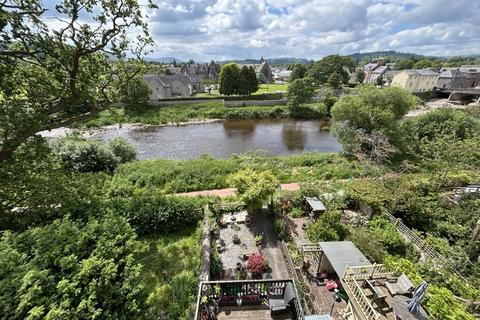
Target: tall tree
x=360 y=75
x=298 y=72
x=334 y=81
x=299 y=91
x=228 y=79
x=252 y=80
x=243 y=81
x=52 y=77
x=322 y=69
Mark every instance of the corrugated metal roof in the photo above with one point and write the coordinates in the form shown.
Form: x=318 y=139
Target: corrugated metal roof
x=315 y=204
x=341 y=254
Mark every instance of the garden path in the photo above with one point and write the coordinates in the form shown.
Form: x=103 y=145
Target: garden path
x=231 y=191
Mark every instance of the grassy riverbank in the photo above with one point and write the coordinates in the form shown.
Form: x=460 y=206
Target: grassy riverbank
x=156 y=115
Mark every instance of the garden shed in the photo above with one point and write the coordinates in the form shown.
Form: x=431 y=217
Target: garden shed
x=335 y=256
x=314 y=207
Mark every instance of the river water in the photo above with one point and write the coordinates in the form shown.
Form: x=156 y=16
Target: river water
x=224 y=138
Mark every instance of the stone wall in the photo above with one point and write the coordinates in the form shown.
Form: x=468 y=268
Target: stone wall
x=244 y=103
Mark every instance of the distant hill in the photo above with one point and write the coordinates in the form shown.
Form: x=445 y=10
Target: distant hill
x=271 y=61
x=163 y=59
x=384 y=54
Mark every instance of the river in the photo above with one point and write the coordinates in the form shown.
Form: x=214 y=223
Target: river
x=223 y=138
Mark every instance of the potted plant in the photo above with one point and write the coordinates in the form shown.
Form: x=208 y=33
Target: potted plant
x=216 y=231
x=236 y=239
x=258 y=239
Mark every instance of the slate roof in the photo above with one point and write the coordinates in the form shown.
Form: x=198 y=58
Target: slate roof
x=166 y=80
x=422 y=72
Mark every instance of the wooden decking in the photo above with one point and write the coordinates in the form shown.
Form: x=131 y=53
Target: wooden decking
x=260 y=312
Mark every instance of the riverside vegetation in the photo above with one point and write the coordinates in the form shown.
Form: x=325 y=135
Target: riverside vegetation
x=86 y=227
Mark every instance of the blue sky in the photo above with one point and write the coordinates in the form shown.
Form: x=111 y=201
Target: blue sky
x=237 y=29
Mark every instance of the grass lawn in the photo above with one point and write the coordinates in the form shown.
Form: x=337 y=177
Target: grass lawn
x=171 y=266
x=271 y=88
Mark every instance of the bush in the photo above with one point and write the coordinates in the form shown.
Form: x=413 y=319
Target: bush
x=280 y=228
x=150 y=212
x=256 y=265
x=80 y=155
x=328 y=228
x=216 y=266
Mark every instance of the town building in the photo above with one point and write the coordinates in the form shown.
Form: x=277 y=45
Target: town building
x=475 y=68
x=263 y=71
x=281 y=75
x=454 y=78
x=375 y=70
x=416 y=80
x=203 y=70
x=178 y=85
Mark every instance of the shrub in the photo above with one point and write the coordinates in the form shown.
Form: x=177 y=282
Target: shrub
x=328 y=228
x=256 y=265
x=280 y=228
x=215 y=264
x=150 y=212
x=80 y=155
x=124 y=151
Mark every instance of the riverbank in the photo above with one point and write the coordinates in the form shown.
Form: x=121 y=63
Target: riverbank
x=188 y=113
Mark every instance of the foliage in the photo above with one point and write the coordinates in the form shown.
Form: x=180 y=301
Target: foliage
x=256 y=264
x=56 y=76
x=440 y=302
x=35 y=189
x=228 y=79
x=321 y=70
x=215 y=264
x=298 y=72
x=328 y=227
x=423 y=64
x=368 y=123
x=171 y=273
x=378 y=239
x=71 y=271
x=330 y=101
x=360 y=75
x=334 y=81
x=280 y=228
x=248 y=82
x=404 y=64
x=254 y=187
x=299 y=92
x=151 y=212
x=81 y=155
x=136 y=92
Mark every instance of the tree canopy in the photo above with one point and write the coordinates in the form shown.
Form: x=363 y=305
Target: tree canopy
x=299 y=92
x=368 y=123
x=321 y=70
x=52 y=77
x=254 y=187
x=67 y=270
x=298 y=72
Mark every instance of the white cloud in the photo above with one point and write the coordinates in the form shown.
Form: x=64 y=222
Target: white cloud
x=219 y=29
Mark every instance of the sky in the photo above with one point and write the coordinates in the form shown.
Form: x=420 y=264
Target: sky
x=239 y=29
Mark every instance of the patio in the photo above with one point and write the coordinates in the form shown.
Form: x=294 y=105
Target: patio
x=236 y=242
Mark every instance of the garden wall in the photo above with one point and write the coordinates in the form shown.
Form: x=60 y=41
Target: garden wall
x=243 y=103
